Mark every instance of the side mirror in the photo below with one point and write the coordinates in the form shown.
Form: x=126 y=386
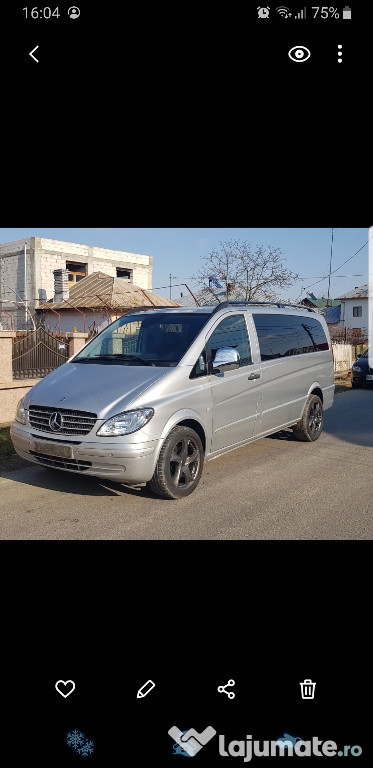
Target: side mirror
x=226 y=359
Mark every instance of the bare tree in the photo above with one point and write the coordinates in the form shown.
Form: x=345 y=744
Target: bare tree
x=245 y=273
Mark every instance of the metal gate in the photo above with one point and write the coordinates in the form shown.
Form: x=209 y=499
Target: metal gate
x=37 y=354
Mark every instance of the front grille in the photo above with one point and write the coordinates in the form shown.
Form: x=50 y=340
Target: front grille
x=54 y=461
x=73 y=422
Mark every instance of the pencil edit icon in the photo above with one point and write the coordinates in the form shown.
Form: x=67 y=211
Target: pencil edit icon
x=145 y=689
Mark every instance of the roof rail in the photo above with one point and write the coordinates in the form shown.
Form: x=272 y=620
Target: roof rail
x=279 y=304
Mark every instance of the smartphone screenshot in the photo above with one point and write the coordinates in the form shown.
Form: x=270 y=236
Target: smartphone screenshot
x=150 y=114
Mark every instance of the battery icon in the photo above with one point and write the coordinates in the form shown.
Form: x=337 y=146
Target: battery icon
x=346 y=12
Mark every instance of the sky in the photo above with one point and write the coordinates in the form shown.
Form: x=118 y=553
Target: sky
x=178 y=251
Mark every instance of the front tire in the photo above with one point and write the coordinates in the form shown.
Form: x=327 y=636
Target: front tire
x=310 y=426
x=179 y=466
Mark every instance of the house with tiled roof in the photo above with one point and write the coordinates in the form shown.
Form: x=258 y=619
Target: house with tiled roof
x=355 y=308
x=27 y=273
x=329 y=308
x=99 y=298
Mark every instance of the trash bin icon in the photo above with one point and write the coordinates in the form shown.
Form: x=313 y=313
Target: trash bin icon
x=307 y=689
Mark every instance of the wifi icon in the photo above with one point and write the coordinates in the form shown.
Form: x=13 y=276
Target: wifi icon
x=283 y=11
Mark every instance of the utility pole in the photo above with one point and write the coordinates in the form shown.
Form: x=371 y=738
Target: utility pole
x=330 y=268
x=171 y=284
x=26 y=317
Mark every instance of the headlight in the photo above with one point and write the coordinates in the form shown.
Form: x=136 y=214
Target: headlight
x=356 y=368
x=20 y=412
x=126 y=422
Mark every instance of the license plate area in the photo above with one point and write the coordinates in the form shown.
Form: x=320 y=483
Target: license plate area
x=53 y=449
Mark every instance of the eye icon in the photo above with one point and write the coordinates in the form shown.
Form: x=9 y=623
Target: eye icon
x=299 y=53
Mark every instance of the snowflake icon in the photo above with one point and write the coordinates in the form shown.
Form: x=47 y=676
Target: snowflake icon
x=82 y=745
x=87 y=749
x=74 y=739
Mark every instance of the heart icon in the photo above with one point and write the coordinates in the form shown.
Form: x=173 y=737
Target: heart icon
x=67 y=686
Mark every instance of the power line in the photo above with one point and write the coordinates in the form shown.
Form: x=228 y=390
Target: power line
x=305 y=288
x=330 y=266
x=314 y=277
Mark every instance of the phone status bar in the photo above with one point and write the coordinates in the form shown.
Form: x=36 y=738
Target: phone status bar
x=313 y=13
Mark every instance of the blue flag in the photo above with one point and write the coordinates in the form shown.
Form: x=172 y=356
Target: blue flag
x=213 y=279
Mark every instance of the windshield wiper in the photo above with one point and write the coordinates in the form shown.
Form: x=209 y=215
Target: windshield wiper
x=138 y=359
x=122 y=357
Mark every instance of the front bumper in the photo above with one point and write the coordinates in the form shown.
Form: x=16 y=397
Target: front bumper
x=131 y=463
x=360 y=379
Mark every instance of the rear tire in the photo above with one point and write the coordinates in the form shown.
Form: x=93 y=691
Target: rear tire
x=310 y=426
x=179 y=465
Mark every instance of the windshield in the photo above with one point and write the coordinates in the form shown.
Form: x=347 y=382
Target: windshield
x=148 y=338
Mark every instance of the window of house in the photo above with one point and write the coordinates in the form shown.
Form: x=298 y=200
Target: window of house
x=76 y=271
x=357 y=311
x=126 y=273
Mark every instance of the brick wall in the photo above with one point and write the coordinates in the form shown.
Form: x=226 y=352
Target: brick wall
x=43 y=257
x=12 y=279
x=53 y=254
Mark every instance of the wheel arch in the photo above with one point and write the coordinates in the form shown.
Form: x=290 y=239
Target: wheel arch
x=186 y=419
x=316 y=390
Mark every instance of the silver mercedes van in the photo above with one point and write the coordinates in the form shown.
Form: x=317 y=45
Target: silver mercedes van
x=160 y=391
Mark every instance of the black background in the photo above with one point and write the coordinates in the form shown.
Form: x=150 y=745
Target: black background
x=150 y=113
x=199 y=614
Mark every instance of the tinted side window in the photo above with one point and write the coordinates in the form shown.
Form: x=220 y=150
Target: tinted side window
x=311 y=335
x=277 y=336
x=231 y=332
x=284 y=335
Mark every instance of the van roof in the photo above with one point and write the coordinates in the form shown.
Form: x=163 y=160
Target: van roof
x=213 y=308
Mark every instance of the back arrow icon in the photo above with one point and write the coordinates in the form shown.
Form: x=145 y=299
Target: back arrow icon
x=32 y=52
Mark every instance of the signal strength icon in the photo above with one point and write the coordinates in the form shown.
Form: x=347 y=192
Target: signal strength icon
x=283 y=11
x=301 y=14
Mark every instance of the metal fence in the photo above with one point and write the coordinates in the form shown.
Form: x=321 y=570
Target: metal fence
x=37 y=353
x=352 y=336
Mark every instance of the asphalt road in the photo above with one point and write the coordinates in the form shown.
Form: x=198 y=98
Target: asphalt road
x=275 y=488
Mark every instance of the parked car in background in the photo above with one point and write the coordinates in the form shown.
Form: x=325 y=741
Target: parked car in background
x=362 y=373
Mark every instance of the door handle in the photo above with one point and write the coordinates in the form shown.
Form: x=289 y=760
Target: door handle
x=253 y=376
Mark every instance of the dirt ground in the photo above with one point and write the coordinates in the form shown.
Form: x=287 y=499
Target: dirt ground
x=342 y=384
